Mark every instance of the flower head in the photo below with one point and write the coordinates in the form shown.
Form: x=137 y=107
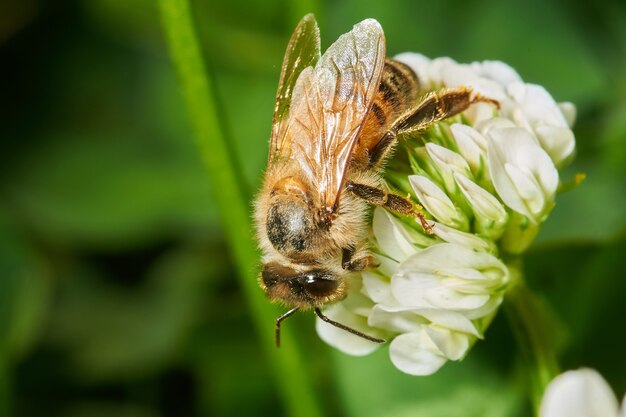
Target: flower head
x=487 y=179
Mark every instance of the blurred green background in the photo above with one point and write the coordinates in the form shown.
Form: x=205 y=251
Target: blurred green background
x=118 y=294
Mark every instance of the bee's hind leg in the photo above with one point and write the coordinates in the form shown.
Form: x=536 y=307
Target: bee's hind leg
x=434 y=107
x=394 y=202
x=437 y=106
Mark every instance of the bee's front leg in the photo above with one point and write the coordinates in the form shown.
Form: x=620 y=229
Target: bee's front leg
x=394 y=202
x=356 y=260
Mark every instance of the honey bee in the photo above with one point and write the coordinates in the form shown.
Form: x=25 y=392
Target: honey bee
x=336 y=120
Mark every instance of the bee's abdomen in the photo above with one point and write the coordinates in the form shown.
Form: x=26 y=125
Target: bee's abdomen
x=398 y=91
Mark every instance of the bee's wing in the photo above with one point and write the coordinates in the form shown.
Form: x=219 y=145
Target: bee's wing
x=329 y=105
x=303 y=51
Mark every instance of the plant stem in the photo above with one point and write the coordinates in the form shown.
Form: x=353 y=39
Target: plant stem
x=290 y=372
x=535 y=333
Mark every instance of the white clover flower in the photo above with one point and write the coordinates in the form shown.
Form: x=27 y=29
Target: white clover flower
x=580 y=393
x=434 y=300
x=487 y=179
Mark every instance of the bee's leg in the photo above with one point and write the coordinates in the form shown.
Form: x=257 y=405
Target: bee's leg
x=394 y=202
x=437 y=106
x=383 y=148
x=356 y=260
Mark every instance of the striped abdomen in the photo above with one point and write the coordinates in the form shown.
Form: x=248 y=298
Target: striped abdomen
x=398 y=91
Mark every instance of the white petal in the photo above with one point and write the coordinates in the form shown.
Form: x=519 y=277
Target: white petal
x=527 y=188
x=450 y=255
x=378 y=288
x=424 y=290
x=392 y=236
x=417 y=62
x=558 y=142
x=569 y=112
x=497 y=71
x=416 y=354
x=448 y=163
x=397 y=320
x=521 y=170
x=358 y=302
x=482 y=202
x=581 y=393
x=388 y=266
x=496 y=123
x=413 y=290
x=472 y=145
x=449 y=319
x=453 y=345
x=464 y=75
x=468 y=240
x=487 y=309
x=458 y=75
x=537 y=105
x=437 y=68
x=479 y=112
x=343 y=340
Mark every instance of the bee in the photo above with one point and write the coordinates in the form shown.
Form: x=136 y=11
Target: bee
x=335 y=123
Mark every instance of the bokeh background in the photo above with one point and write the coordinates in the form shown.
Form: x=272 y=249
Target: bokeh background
x=118 y=293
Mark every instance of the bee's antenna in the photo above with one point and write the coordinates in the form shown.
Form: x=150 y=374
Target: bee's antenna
x=344 y=327
x=279 y=320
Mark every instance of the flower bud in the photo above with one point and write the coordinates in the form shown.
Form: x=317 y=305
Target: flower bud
x=491 y=217
x=580 y=393
x=438 y=203
x=473 y=147
x=448 y=163
x=523 y=174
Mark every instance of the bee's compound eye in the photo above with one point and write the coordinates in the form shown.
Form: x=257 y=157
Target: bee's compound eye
x=269 y=277
x=320 y=283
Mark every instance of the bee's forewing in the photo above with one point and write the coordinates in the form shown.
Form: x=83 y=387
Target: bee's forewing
x=303 y=51
x=329 y=105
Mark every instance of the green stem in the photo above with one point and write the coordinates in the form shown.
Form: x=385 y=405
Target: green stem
x=534 y=330
x=290 y=372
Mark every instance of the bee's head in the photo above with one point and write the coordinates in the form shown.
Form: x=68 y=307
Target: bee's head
x=311 y=288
